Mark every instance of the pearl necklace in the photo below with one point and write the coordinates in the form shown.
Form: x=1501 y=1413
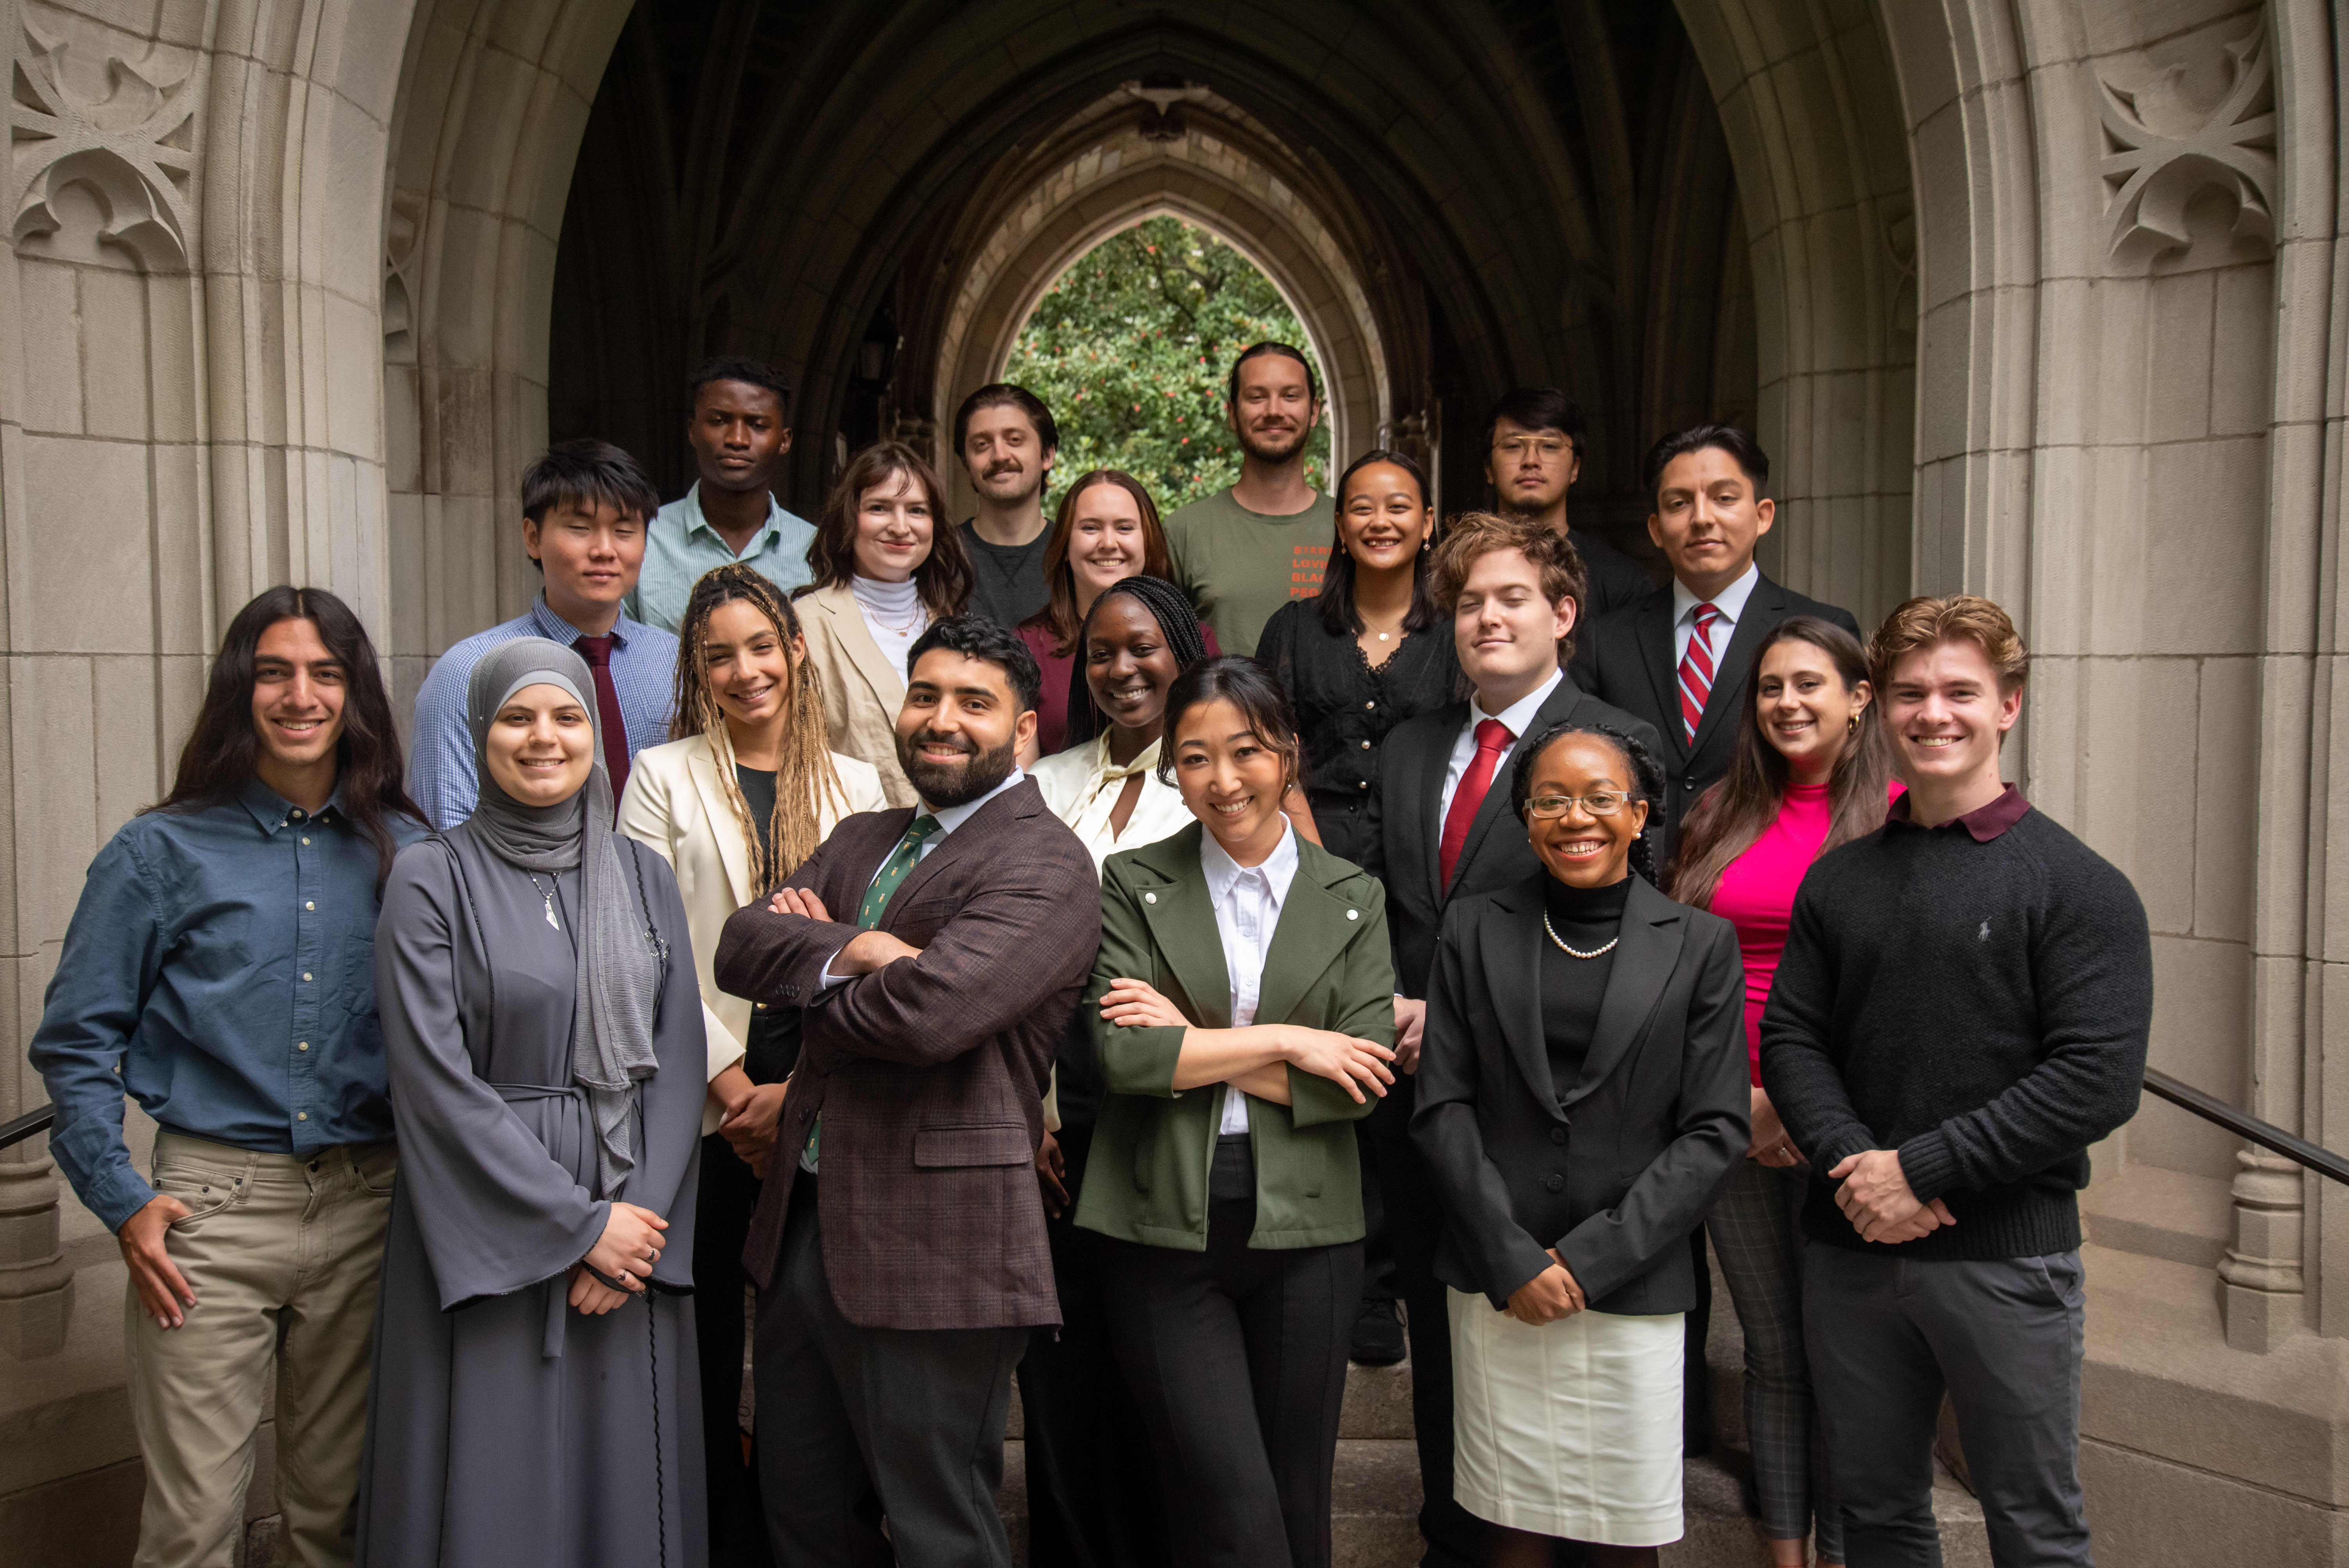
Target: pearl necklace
x=1576 y=953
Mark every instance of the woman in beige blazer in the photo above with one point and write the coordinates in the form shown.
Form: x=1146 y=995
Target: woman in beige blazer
x=887 y=564
x=743 y=794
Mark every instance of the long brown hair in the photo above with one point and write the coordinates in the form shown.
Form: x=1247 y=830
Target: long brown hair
x=943 y=579
x=805 y=775
x=218 y=759
x=1729 y=816
x=1059 y=615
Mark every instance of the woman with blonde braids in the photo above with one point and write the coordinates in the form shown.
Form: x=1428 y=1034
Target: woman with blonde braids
x=743 y=791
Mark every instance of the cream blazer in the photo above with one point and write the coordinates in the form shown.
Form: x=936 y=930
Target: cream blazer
x=861 y=689
x=675 y=805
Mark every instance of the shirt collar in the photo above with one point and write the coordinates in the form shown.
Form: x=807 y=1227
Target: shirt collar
x=952 y=817
x=758 y=541
x=1279 y=868
x=555 y=629
x=1730 y=601
x=1103 y=769
x=1984 y=823
x=1519 y=715
x=273 y=811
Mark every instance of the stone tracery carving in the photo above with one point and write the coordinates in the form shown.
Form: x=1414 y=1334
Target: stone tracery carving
x=2153 y=172
x=129 y=147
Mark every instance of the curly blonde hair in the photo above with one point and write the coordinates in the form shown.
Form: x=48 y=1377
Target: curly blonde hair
x=804 y=776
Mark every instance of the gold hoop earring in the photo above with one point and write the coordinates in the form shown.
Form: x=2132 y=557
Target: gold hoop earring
x=1852 y=726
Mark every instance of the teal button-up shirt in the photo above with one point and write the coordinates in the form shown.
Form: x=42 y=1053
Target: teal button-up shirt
x=681 y=546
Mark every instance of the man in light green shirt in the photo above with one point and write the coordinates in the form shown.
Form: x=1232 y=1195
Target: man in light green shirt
x=1245 y=551
x=741 y=428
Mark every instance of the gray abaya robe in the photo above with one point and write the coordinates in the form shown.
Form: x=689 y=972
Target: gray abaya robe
x=505 y=1428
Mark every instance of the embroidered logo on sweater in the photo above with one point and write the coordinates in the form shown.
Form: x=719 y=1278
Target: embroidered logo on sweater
x=1983 y=935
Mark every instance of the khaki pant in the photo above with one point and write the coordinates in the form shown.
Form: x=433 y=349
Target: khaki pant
x=283 y=1255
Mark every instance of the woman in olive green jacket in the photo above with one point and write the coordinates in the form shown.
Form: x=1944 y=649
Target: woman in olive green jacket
x=1246 y=1000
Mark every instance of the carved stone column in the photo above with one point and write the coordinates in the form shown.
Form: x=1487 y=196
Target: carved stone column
x=2262 y=1295
x=35 y=1283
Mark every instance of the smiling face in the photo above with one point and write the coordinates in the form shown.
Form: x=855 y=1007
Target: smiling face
x=960 y=728
x=1708 y=520
x=1531 y=470
x=1384 y=520
x=1946 y=715
x=541 y=746
x=1583 y=849
x=1802 y=707
x=738 y=434
x=1275 y=409
x=1105 y=538
x=591 y=554
x=1505 y=632
x=298 y=686
x=1231 y=780
x=1003 y=455
x=894 y=525
x=1129 y=667
x=750 y=664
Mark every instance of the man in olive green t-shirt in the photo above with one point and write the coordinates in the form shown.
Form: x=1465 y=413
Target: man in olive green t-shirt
x=1245 y=551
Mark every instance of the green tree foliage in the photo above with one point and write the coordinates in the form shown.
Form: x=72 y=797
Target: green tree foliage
x=1131 y=347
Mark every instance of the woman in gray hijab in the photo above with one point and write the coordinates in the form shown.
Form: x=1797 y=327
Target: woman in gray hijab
x=534 y=1398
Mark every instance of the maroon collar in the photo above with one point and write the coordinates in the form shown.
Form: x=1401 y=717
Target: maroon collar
x=1984 y=822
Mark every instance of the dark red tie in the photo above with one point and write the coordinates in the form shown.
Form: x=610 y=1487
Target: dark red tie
x=597 y=651
x=1493 y=737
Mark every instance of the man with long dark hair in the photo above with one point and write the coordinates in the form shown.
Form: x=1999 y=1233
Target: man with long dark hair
x=222 y=961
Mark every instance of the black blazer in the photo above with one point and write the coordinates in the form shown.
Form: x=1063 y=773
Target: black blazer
x=1405 y=831
x=1626 y=659
x=1616 y=1178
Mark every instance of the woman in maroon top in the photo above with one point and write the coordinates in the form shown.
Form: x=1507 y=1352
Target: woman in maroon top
x=1813 y=772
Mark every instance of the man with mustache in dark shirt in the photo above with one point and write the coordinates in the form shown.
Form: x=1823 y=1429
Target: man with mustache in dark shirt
x=1007 y=440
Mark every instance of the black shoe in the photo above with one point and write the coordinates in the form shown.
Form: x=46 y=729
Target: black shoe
x=1377 y=1335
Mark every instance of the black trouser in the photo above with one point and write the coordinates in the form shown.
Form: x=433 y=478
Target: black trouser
x=1092 y=1491
x=1237 y=1359
x=859 y=1424
x=1887 y=1337
x=1696 y=1387
x=721 y=1221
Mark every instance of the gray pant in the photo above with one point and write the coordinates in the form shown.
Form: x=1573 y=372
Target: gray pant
x=859 y=1424
x=1757 y=1232
x=1889 y=1336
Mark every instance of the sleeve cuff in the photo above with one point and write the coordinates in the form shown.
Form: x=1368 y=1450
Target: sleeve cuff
x=1928 y=1165
x=119 y=1199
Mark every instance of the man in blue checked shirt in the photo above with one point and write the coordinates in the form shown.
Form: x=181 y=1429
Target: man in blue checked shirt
x=222 y=961
x=584 y=507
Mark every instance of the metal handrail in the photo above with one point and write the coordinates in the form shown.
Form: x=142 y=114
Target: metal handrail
x=2250 y=1128
x=14 y=1132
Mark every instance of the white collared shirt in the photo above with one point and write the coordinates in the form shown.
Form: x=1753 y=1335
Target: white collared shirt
x=1518 y=717
x=1081 y=785
x=1247 y=900
x=1730 y=602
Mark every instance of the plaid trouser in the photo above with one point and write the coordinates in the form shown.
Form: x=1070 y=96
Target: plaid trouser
x=1757 y=1231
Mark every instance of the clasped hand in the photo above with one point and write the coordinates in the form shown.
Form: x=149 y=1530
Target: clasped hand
x=629 y=1247
x=1874 y=1197
x=1548 y=1296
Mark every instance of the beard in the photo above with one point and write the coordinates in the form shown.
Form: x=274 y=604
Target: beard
x=955 y=783
x=1275 y=449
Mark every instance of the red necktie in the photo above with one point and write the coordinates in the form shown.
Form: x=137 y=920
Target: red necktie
x=1696 y=671
x=1493 y=737
x=597 y=651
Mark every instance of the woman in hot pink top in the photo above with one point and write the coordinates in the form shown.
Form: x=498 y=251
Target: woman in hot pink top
x=1813 y=772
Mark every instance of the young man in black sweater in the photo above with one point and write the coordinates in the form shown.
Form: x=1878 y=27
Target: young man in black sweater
x=1962 y=1009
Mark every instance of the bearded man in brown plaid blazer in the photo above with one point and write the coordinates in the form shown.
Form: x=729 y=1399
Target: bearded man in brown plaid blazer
x=934 y=955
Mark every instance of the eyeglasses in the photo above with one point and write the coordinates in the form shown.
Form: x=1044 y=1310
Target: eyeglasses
x=1549 y=808
x=1517 y=447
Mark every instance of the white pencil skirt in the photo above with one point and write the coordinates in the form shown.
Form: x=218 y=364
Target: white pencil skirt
x=1570 y=1429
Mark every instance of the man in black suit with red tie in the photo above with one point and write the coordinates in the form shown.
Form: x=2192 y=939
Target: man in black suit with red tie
x=1440 y=830
x=1681 y=658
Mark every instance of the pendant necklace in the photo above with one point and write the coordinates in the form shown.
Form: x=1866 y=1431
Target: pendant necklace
x=549 y=891
x=1576 y=953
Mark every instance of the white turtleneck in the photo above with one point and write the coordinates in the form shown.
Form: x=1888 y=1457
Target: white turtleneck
x=894 y=613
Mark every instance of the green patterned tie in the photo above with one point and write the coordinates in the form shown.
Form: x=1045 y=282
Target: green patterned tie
x=868 y=914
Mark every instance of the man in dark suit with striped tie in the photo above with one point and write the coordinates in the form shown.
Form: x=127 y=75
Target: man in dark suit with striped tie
x=1681 y=658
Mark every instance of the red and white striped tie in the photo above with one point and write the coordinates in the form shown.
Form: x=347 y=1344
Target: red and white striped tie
x=1696 y=670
